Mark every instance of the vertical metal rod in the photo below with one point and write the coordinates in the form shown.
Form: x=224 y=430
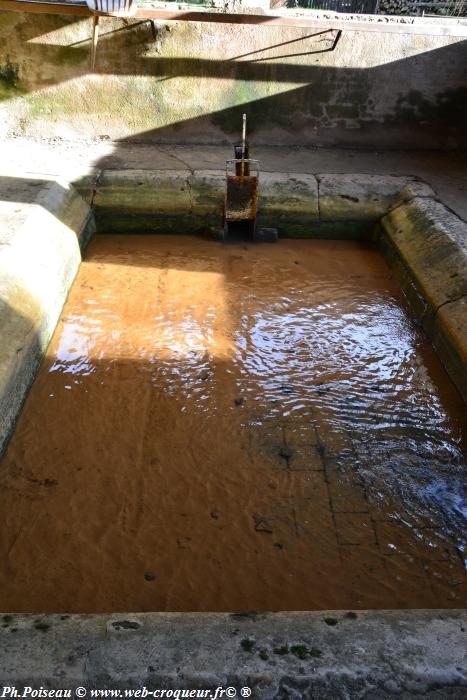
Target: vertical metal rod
x=95 y=37
x=243 y=144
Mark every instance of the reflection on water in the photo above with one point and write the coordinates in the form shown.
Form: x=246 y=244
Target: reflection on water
x=259 y=427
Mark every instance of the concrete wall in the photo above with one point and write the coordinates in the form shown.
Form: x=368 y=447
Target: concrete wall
x=191 y=83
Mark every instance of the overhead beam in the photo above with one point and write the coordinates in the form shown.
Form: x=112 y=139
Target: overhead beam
x=374 y=23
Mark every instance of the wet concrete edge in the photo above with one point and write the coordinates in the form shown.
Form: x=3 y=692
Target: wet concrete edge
x=332 y=654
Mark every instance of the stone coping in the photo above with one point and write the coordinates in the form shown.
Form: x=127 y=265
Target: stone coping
x=332 y=654
x=44 y=226
x=426 y=245
x=298 y=204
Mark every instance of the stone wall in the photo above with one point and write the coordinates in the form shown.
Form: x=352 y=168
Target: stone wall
x=191 y=83
x=417 y=8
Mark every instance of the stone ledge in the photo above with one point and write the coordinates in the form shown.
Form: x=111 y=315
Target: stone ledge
x=432 y=242
x=288 y=202
x=362 y=197
x=426 y=245
x=39 y=257
x=368 y=654
x=177 y=201
x=168 y=201
x=450 y=341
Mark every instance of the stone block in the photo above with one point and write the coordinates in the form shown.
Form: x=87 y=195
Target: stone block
x=357 y=197
x=450 y=341
x=37 y=268
x=288 y=202
x=139 y=196
x=431 y=241
x=207 y=189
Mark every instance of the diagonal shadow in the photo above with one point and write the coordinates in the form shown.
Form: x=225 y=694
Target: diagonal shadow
x=330 y=104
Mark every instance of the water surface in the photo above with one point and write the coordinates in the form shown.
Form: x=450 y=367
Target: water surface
x=234 y=427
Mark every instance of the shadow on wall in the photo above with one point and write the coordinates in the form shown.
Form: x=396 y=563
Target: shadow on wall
x=298 y=91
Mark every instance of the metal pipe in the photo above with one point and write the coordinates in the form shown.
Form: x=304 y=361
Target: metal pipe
x=243 y=144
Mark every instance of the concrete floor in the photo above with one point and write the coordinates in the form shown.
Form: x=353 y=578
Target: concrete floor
x=446 y=172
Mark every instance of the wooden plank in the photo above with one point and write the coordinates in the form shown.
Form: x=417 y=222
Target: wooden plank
x=375 y=23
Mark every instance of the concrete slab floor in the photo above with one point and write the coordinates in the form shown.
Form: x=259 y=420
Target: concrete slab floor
x=446 y=172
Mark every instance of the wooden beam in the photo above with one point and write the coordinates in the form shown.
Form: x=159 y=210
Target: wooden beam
x=374 y=23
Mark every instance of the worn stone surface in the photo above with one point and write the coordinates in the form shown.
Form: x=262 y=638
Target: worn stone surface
x=40 y=241
x=426 y=245
x=450 y=341
x=289 y=202
x=138 y=200
x=407 y=654
x=207 y=188
x=432 y=243
x=358 y=197
x=177 y=201
x=413 y=188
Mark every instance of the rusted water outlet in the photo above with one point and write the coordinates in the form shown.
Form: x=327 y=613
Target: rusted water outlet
x=241 y=196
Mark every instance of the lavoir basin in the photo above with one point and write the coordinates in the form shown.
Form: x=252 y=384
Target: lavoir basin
x=235 y=427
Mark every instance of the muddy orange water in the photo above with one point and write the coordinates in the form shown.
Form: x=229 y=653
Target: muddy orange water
x=234 y=427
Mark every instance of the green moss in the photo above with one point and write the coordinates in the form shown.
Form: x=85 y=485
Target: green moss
x=329 y=230
x=299 y=650
x=331 y=621
x=10 y=85
x=9 y=73
x=315 y=652
x=69 y=56
x=351 y=616
x=263 y=654
x=343 y=111
x=247 y=644
x=42 y=626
